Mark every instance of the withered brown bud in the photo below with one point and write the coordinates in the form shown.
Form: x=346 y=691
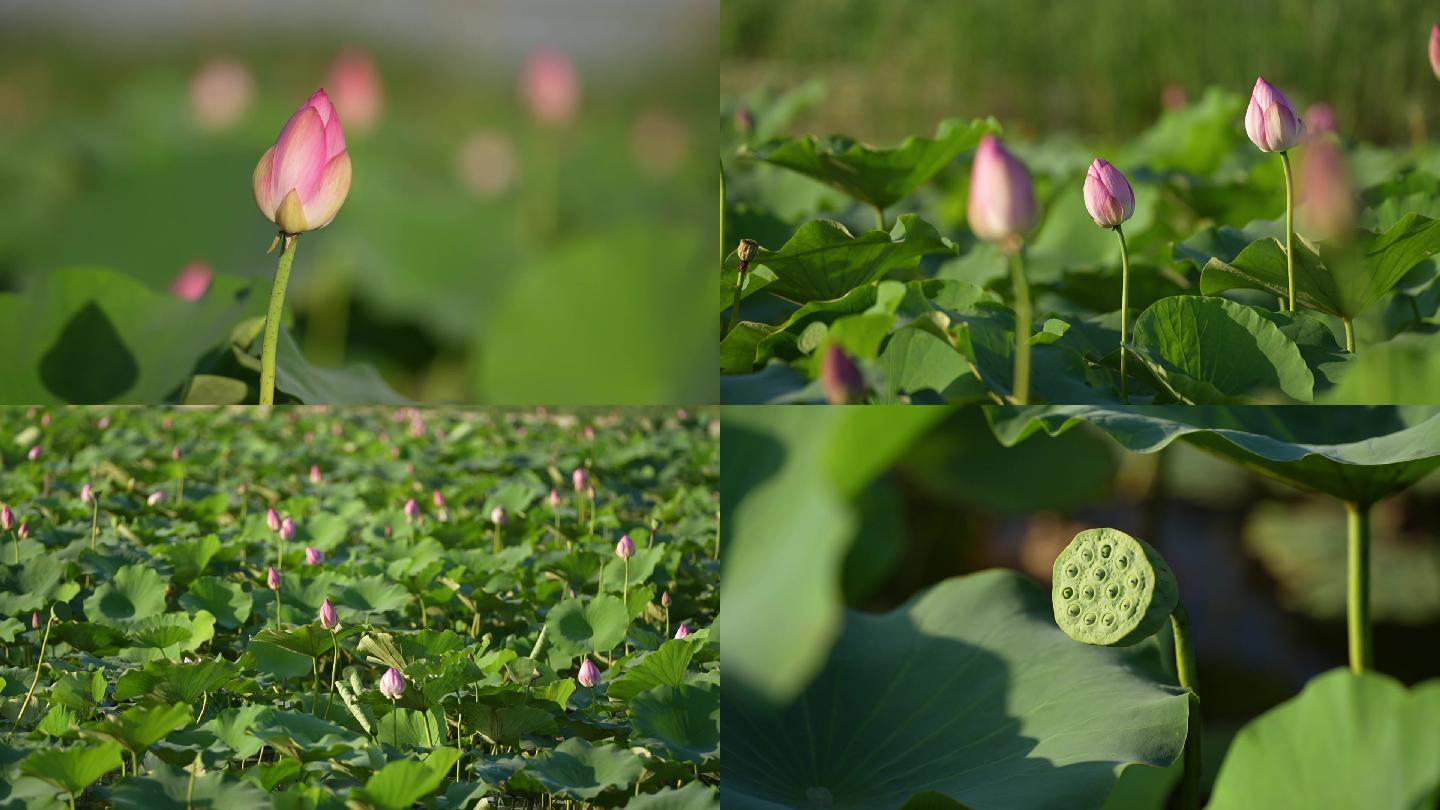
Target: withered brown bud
x=746 y=253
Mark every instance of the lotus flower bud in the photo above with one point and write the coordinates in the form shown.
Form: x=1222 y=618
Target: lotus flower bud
x=301 y=181
x=315 y=475
x=7 y=518
x=580 y=478
x=272 y=519
x=1271 y=121
x=1002 y=198
x=550 y=87
x=87 y=495
x=220 y=93
x=34 y=454
x=192 y=282
x=590 y=492
x=155 y=497
x=589 y=674
x=745 y=253
x=625 y=549
x=392 y=684
x=412 y=509
x=328 y=619
x=175 y=454
x=744 y=119
x=287 y=529
x=35 y=620
x=272 y=579
x=23 y=532
x=1319 y=120
x=1108 y=196
x=682 y=631
x=1327 y=197
x=841 y=378
x=554 y=499
x=498 y=516
x=314 y=556
x=665 y=599
x=355 y=88
x=103 y=423
x=1112 y=589
x=438 y=498
x=1435 y=50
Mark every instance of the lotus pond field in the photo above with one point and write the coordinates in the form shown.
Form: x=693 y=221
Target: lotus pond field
x=366 y=608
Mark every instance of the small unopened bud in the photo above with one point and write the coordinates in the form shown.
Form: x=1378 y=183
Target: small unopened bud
x=328 y=619
x=272 y=579
x=1271 y=120
x=287 y=529
x=315 y=476
x=682 y=631
x=35 y=621
x=554 y=499
x=272 y=519
x=498 y=516
x=438 y=499
x=589 y=674
x=841 y=378
x=175 y=454
x=23 y=532
x=34 y=454
x=625 y=549
x=744 y=119
x=392 y=684
x=87 y=495
x=314 y=556
x=155 y=497
x=7 y=518
x=1435 y=50
x=412 y=509
x=665 y=599
x=580 y=478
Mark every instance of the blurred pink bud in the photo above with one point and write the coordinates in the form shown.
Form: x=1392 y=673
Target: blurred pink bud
x=438 y=499
x=1271 y=121
x=1002 y=198
x=272 y=579
x=682 y=631
x=554 y=499
x=45 y=420
x=1435 y=50
x=392 y=684
x=841 y=379
x=87 y=495
x=328 y=619
x=301 y=181
x=588 y=433
x=192 y=282
x=665 y=599
x=1327 y=196
x=175 y=454
x=589 y=674
x=314 y=556
x=220 y=93
x=355 y=88
x=35 y=620
x=1173 y=97
x=488 y=163
x=7 y=518
x=550 y=87
x=1108 y=196
x=1319 y=120
x=287 y=529
x=580 y=478
x=272 y=519
x=744 y=119
x=155 y=497
x=412 y=509
x=590 y=492
x=34 y=454
x=625 y=549
x=315 y=476
x=104 y=423
x=498 y=516
x=23 y=532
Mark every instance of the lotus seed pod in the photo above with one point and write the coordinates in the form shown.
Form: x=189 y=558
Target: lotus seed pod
x=746 y=253
x=1111 y=589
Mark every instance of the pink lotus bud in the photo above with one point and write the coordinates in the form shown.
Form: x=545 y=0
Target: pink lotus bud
x=103 y=423
x=682 y=631
x=155 y=497
x=554 y=499
x=355 y=88
x=272 y=579
x=498 y=516
x=23 y=532
x=841 y=378
x=392 y=684
x=580 y=478
x=34 y=454
x=315 y=476
x=35 y=621
x=1319 y=120
x=272 y=519
x=589 y=674
x=328 y=619
x=438 y=498
x=220 y=93
x=590 y=492
x=192 y=282
x=287 y=529
x=1108 y=196
x=301 y=181
x=625 y=549
x=412 y=509
x=1002 y=198
x=744 y=119
x=314 y=556
x=665 y=599
x=45 y=420
x=1271 y=121
x=87 y=495
x=175 y=454
x=1173 y=97
x=588 y=433
x=7 y=518
x=1435 y=49
x=1327 y=197
x=550 y=87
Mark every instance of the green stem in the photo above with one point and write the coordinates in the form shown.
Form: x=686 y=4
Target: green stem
x=272 y=319
x=1022 y=327
x=1124 y=307
x=880 y=218
x=1349 y=335
x=625 y=587
x=277 y=610
x=497 y=538
x=722 y=211
x=94 y=521
x=1289 y=227
x=1358 y=593
x=39 y=664
x=1185 y=667
x=735 y=310
x=15 y=535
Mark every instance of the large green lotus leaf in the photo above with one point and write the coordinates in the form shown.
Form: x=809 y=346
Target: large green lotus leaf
x=1342 y=285
x=986 y=339
x=1354 y=454
x=135 y=592
x=227 y=601
x=1346 y=741
x=877 y=177
x=823 y=260
x=167 y=788
x=303 y=736
x=88 y=335
x=72 y=769
x=30 y=585
x=1212 y=351
x=140 y=727
x=969 y=691
x=401 y=784
x=297 y=377
x=1224 y=242
x=665 y=666
x=1400 y=371
x=694 y=796
x=583 y=628
x=577 y=768
x=170 y=682
x=786 y=524
x=683 y=720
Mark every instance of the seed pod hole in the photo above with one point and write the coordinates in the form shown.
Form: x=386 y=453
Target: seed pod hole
x=1089 y=618
x=1072 y=570
x=1068 y=593
x=1122 y=561
x=1088 y=592
x=1108 y=620
x=1112 y=591
x=1105 y=551
x=1134 y=582
x=1073 y=610
x=1099 y=574
x=1087 y=555
x=1125 y=605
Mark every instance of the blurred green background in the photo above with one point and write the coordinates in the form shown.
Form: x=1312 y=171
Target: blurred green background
x=1102 y=68
x=482 y=255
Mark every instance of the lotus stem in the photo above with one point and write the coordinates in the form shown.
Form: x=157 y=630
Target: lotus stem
x=1358 y=591
x=1124 y=307
x=272 y=319
x=39 y=664
x=94 y=521
x=1349 y=335
x=1289 y=226
x=1185 y=668
x=1022 y=327
x=879 y=217
x=735 y=309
